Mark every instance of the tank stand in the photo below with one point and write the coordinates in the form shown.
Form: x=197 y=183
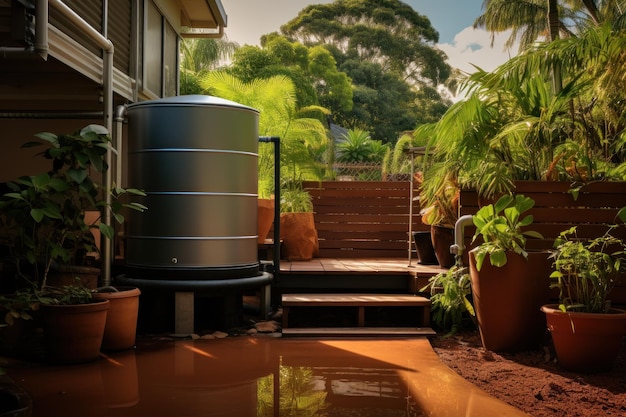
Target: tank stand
x=184 y=294
x=183 y=312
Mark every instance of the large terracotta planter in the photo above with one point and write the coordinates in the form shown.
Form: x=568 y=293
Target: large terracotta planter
x=586 y=342
x=508 y=299
x=73 y=333
x=298 y=236
x=120 y=331
x=265 y=217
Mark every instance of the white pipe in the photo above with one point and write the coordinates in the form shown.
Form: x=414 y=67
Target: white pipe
x=459 y=227
x=107 y=86
x=41 y=28
x=120 y=113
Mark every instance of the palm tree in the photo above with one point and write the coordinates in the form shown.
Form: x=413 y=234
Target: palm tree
x=198 y=55
x=530 y=20
x=304 y=141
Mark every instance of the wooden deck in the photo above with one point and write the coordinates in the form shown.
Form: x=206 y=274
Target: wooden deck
x=358 y=266
x=365 y=312
x=352 y=275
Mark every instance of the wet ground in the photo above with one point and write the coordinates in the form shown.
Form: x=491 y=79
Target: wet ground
x=258 y=376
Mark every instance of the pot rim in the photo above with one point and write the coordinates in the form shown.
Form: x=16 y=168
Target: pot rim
x=611 y=315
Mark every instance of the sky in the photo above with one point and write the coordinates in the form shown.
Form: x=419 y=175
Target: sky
x=453 y=19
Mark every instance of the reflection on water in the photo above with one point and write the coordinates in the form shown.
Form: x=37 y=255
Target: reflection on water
x=230 y=377
x=322 y=391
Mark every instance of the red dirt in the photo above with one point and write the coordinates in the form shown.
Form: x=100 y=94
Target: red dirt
x=532 y=380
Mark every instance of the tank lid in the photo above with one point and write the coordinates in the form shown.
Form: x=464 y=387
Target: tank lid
x=192 y=100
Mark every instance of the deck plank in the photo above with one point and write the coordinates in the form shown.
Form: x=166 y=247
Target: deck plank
x=359 y=265
x=349 y=300
x=359 y=331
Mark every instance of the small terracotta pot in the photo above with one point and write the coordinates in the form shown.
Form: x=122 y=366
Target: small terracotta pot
x=586 y=342
x=120 y=331
x=73 y=333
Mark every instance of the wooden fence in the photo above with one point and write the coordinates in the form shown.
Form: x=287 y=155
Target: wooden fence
x=363 y=219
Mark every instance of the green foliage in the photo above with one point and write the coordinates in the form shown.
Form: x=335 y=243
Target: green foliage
x=44 y=214
x=529 y=21
x=313 y=71
x=501 y=227
x=513 y=126
x=389 y=32
x=20 y=305
x=293 y=199
x=387 y=49
x=199 y=55
x=358 y=146
x=68 y=294
x=450 y=297
x=585 y=271
x=304 y=142
x=371 y=110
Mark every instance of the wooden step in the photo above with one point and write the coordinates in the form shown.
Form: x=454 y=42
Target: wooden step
x=362 y=308
x=359 y=331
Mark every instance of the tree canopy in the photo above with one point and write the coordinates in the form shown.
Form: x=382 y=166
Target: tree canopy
x=388 y=51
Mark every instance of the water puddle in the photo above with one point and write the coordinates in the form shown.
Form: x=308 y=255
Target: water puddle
x=259 y=377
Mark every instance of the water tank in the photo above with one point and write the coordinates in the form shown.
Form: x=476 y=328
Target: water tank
x=195 y=157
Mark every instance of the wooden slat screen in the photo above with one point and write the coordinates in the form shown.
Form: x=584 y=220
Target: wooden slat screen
x=363 y=219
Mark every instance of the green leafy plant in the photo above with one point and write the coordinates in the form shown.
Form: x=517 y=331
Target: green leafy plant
x=68 y=294
x=585 y=271
x=500 y=226
x=295 y=200
x=450 y=294
x=20 y=305
x=44 y=214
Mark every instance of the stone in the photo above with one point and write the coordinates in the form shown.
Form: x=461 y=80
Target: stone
x=269 y=326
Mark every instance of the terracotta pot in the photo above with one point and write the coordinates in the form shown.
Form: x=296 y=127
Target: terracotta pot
x=442 y=238
x=265 y=217
x=120 y=331
x=508 y=299
x=424 y=248
x=586 y=342
x=299 y=236
x=73 y=333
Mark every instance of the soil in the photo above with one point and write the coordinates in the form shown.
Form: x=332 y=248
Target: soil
x=533 y=381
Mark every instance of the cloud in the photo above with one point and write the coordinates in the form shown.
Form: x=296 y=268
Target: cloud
x=473 y=46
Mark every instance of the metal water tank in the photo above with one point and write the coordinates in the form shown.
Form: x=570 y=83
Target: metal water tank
x=195 y=157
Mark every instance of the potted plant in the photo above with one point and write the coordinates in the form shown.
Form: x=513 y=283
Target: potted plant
x=43 y=215
x=439 y=201
x=297 y=225
x=509 y=284
x=451 y=298
x=120 y=332
x=73 y=323
x=586 y=331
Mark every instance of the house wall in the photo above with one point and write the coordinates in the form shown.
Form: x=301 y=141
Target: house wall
x=15 y=161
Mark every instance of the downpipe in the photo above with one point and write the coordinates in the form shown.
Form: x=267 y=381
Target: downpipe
x=276 y=141
x=107 y=86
